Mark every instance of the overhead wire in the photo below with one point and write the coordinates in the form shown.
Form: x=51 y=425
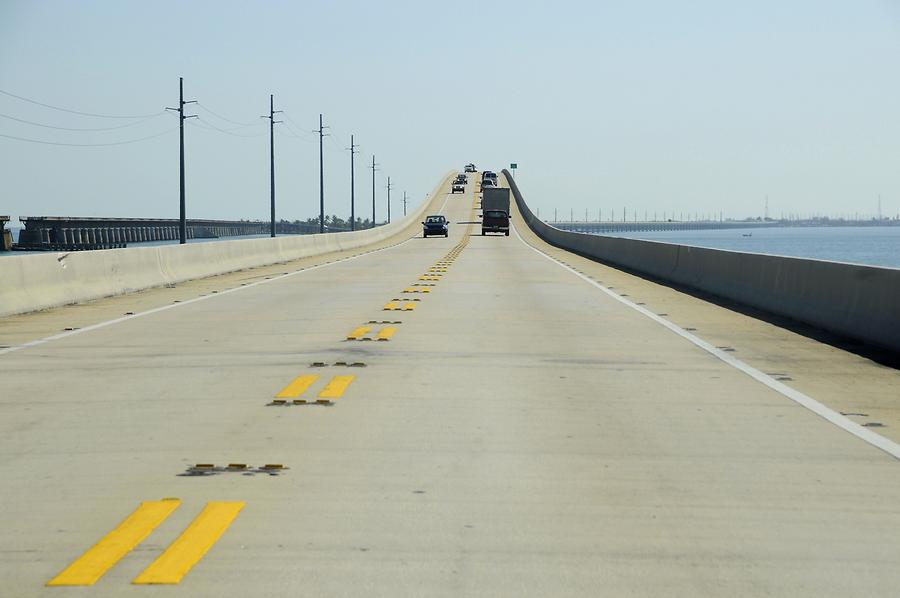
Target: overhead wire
x=91 y=114
x=228 y=120
x=87 y=144
x=293 y=130
x=298 y=126
x=83 y=129
x=211 y=126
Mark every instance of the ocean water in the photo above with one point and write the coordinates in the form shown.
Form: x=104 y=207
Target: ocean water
x=870 y=245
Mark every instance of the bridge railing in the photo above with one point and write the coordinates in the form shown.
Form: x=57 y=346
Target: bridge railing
x=853 y=301
x=5 y=235
x=73 y=234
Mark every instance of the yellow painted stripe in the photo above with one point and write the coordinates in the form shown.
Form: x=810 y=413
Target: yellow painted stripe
x=91 y=566
x=390 y=306
x=361 y=331
x=187 y=550
x=409 y=306
x=336 y=388
x=410 y=290
x=297 y=387
x=386 y=333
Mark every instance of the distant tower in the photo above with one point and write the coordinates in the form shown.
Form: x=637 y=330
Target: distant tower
x=767 y=207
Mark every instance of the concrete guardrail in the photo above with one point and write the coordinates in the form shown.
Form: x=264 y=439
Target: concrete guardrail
x=35 y=282
x=854 y=301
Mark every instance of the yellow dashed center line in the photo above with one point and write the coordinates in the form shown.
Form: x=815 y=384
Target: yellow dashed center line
x=91 y=566
x=386 y=333
x=187 y=550
x=297 y=387
x=335 y=389
x=357 y=333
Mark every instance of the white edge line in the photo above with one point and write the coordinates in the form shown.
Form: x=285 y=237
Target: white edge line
x=885 y=444
x=155 y=310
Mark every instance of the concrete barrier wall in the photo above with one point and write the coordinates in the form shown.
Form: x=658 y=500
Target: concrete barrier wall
x=858 y=302
x=34 y=282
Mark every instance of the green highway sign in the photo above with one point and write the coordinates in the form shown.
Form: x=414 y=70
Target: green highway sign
x=513 y=165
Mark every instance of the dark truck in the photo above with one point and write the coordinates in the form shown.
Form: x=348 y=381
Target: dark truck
x=495 y=210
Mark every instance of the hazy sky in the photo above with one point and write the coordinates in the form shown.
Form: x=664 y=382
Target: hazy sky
x=650 y=105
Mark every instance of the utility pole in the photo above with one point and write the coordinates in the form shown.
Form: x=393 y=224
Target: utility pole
x=321 y=132
x=182 y=222
x=353 y=151
x=389 y=186
x=272 y=123
x=374 y=168
x=404 y=203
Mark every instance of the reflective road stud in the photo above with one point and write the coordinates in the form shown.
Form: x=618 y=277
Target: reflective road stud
x=91 y=566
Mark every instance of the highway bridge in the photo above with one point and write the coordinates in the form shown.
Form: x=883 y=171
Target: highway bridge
x=469 y=416
x=55 y=233
x=654 y=226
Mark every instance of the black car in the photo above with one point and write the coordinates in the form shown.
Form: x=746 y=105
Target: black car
x=495 y=221
x=435 y=225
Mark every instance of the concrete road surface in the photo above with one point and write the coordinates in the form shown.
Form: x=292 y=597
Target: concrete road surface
x=509 y=430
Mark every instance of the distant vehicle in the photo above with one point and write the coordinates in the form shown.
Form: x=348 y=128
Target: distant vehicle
x=495 y=211
x=488 y=183
x=470 y=168
x=462 y=178
x=489 y=174
x=458 y=187
x=435 y=225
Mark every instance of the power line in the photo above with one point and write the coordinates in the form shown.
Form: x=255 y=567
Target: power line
x=353 y=151
x=389 y=186
x=298 y=126
x=213 y=127
x=37 y=124
x=322 y=135
x=219 y=116
x=86 y=144
x=182 y=221
x=12 y=95
x=294 y=136
x=375 y=169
